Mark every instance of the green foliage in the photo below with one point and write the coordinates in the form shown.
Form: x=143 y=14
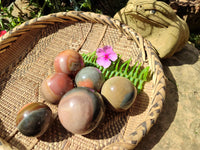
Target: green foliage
x=136 y=74
x=7 y=20
x=108 y=7
x=86 y=4
x=45 y=7
x=52 y=6
x=42 y=7
x=195 y=38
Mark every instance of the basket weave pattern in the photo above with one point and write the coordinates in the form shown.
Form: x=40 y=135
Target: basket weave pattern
x=26 y=59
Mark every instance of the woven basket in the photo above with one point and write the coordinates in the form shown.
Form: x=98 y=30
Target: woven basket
x=26 y=59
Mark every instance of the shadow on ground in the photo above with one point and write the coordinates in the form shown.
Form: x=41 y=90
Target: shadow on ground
x=165 y=118
x=173 y=71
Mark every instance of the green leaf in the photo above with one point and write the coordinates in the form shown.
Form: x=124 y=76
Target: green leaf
x=2 y=25
x=13 y=23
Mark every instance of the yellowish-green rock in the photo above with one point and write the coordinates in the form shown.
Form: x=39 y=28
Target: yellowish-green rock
x=157 y=22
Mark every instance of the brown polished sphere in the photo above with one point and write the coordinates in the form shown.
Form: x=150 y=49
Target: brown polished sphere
x=119 y=92
x=80 y=110
x=55 y=86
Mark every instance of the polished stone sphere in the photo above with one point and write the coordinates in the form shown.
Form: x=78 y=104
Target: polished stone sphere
x=119 y=92
x=34 y=119
x=69 y=62
x=90 y=77
x=55 y=86
x=80 y=110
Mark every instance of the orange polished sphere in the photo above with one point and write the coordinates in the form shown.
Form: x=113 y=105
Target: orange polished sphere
x=69 y=62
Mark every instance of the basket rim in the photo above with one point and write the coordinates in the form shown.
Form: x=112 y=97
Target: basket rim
x=148 y=55
x=75 y=16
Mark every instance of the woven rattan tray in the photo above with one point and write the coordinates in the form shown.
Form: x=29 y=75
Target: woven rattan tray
x=26 y=59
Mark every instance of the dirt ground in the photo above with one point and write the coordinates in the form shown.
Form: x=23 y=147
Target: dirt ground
x=178 y=126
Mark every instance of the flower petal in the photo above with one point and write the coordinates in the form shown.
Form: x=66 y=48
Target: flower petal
x=100 y=61
x=2 y=33
x=107 y=64
x=100 y=52
x=113 y=56
x=103 y=62
x=108 y=49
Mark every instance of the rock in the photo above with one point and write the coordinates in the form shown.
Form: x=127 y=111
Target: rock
x=157 y=22
x=22 y=8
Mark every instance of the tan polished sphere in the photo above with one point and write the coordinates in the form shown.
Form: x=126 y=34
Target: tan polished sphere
x=119 y=92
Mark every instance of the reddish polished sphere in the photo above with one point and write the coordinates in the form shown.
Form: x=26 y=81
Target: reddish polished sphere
x=55 y=86
x=69 y=62
x=80 y=110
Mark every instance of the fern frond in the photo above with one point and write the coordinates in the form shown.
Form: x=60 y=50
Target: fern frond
x=136 y=74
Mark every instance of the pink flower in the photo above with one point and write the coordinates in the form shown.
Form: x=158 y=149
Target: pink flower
x=105 y=55
x=2 y=33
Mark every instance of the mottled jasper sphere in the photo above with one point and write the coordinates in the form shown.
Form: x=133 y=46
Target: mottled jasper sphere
x=55 y=86
x=119 y=92
x=69 y=62
x=90 y=77
x=4 y=145
x=34 y=119
x=80 y=110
